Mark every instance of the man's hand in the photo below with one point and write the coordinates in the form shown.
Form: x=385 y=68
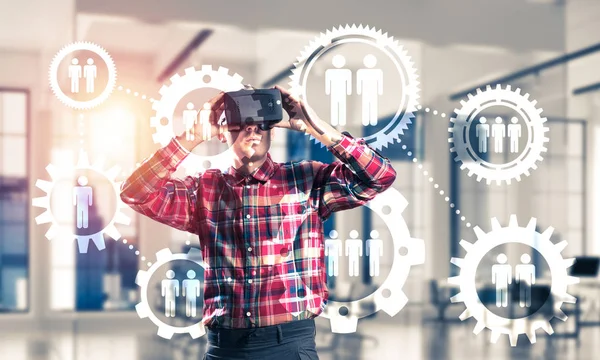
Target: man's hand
x=217 y=106
x=304 y=119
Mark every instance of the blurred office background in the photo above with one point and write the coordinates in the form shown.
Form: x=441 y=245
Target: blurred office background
x=58 y=304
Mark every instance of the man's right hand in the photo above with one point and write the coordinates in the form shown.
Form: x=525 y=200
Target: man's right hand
x=217 y=106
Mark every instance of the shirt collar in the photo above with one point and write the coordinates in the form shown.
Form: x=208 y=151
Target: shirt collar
x=262 y=173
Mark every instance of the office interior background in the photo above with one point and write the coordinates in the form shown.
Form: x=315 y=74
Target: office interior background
x=58 y=304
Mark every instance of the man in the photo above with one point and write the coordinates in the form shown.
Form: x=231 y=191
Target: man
x=238 y=213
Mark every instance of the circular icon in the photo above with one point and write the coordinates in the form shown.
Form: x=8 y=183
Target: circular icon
x=467 y=279
x=389 y=297
x=90 y=71
x=81 y=198
x=498 y=134
x=171 y=95
x=376 y=51
x=170 y=288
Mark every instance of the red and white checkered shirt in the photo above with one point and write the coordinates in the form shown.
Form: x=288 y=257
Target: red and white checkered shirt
x=261 y=235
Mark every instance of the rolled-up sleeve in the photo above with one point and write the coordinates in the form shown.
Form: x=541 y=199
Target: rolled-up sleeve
x=360 y=174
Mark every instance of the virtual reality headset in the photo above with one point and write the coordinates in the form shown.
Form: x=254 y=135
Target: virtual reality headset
x=260 y=107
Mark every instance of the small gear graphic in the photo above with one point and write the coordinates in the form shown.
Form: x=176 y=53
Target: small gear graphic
x=389 y=297
x=62 y=54
x=144 y=309
x=504 y=235
x=180 y=86
x=58 y=231
x=481 y=101
x=366 y=35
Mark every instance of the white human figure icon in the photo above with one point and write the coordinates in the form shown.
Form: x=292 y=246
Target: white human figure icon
x=205 y=121
x=338 y=85
x=170 y=290
x=354 y=250
x=190 y=118
x=514 y=133
x=374 y=252
x=75 y=74
x=498 y=133
x=502 y=277
x=90 y=72
x=525 y=277
x=369 y=84
x=482 y=131
x=82 y=200
x=190 y=288
x=333 y=250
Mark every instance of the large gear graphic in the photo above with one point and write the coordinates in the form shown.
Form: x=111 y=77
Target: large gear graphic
x=58 y=231
x=389 y=297
x=180 y=86
x=481 y=101
x=364 y=34
x=144 y=309
x=504 y=235
x=78 y=46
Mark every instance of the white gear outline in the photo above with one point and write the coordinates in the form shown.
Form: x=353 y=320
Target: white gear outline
x=78 y=46
x=477 y=251
x=143 y=308
x=389 y=297
x=383 y=42
x=56 y=230
x=171 y=95
x=495 y=97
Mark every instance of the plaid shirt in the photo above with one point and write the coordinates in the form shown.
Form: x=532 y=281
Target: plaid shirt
x=261 y=235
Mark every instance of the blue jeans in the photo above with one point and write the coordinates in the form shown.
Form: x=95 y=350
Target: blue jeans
x=290 y=341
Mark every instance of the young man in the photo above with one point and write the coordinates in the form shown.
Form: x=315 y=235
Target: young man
x=253 y=221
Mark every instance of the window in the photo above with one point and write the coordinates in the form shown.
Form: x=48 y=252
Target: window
x=14 y=201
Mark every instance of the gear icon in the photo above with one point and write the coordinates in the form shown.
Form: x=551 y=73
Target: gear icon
x=144 y=310
x=180 y=86
x=79 y=46
x=389 y=297
x=48 y=216
x=500 y=236
x=498 y=97
x=363 y=34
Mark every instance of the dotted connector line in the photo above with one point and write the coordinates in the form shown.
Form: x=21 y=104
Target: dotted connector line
x=137 y=94
x=425 y=173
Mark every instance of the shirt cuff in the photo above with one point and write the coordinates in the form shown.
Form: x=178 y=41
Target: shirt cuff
x=348 y=146
x=172 y=154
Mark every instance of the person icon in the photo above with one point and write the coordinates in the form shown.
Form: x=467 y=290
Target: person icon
x=338 y=85
x=501 y=277
x=514 y=133
x=190 y=118
x=374 y=252
x=482 y=131
x=170 y=290
x=498 y=133
x=82 y=200
x=75 y=74
x=190 y=288
x=333 y=250
x=354 y=250
x=369 y=84
x=525 y=277
x=205 y=121
x=90 y=72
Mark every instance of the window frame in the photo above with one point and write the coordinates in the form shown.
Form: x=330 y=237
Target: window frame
x=27 y=222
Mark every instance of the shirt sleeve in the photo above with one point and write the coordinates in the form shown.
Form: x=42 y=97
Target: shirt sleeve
x=151 y=191
x=359 y=175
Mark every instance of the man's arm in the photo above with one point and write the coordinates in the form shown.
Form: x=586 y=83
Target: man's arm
x=151 y=191
x=353 y=181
